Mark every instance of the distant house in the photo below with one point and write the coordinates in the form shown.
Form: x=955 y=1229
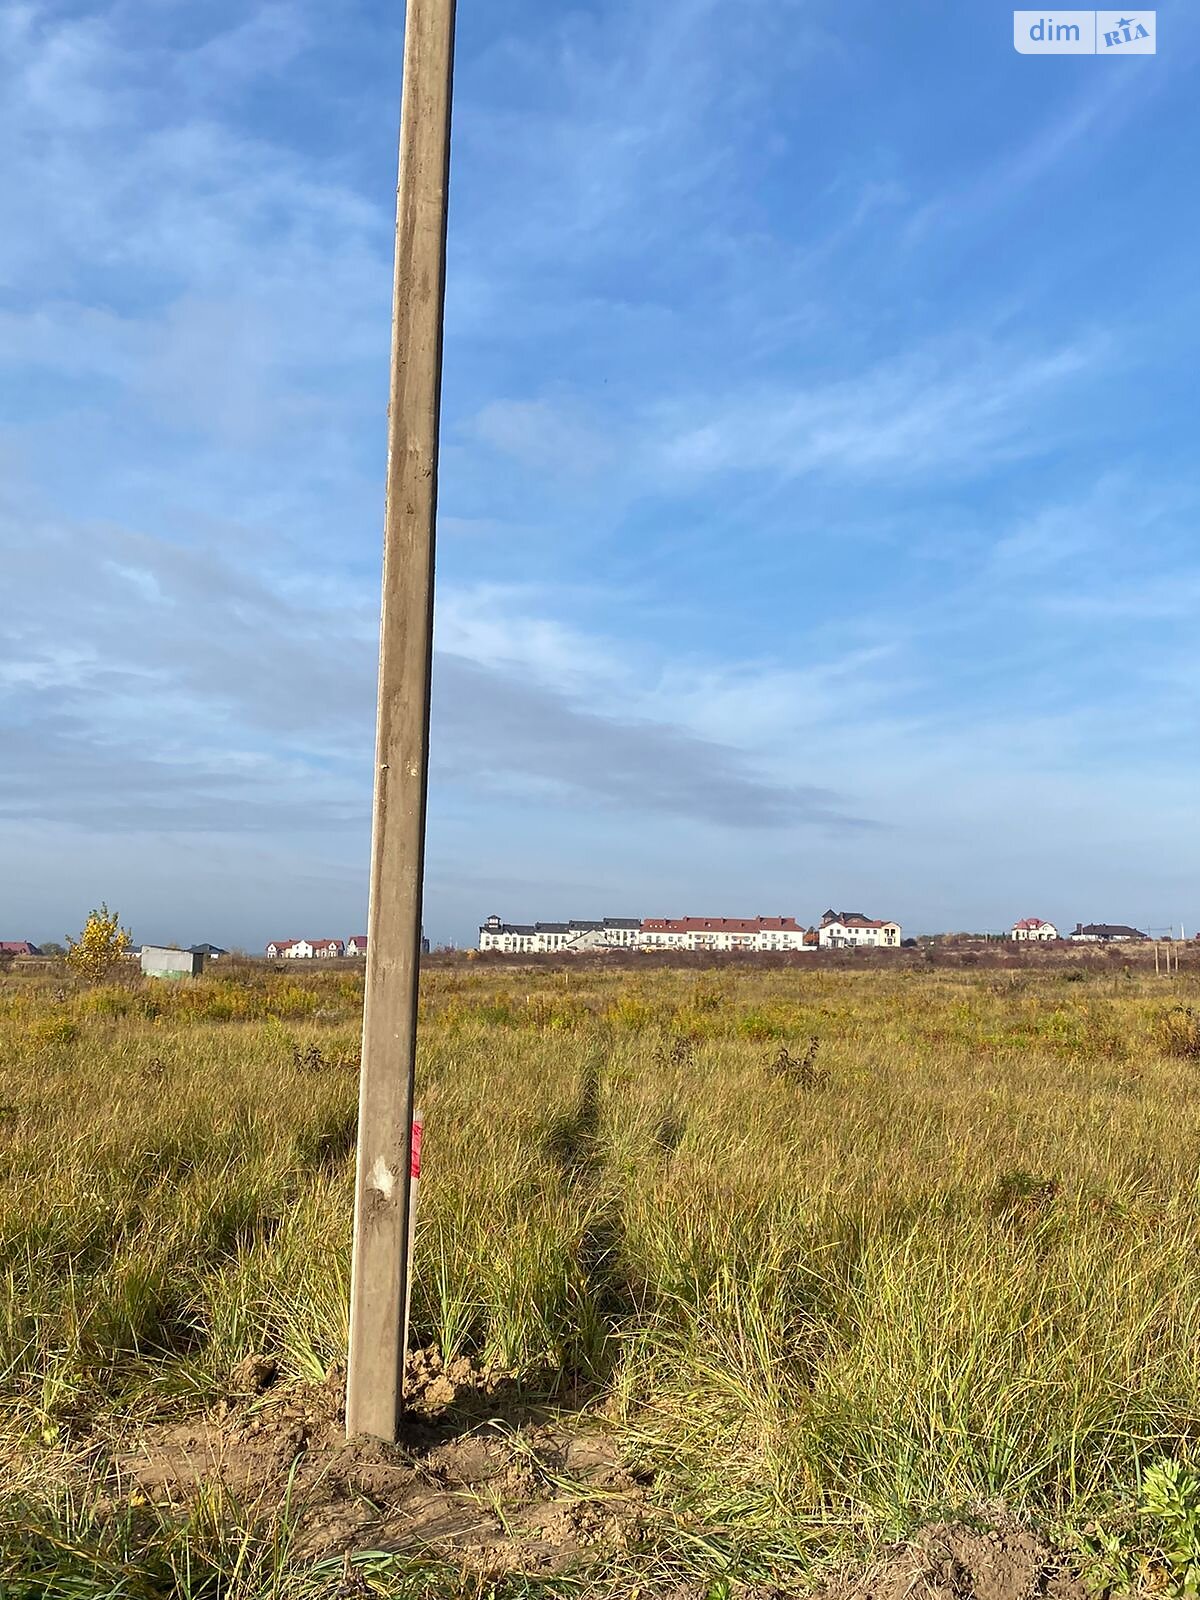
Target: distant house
x=850 y=930
x=305 y=949
x=210 y=952
x=1105 y=933
x=18 y=947
x=1033 y=929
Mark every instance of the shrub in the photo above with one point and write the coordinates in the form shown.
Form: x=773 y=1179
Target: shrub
x=45 y=1032
x=292 y=1001
x=802 y=1070
x=1177 y=1032
x=708 y=997
x=108 y=1000
x=543 y=1011
x=1101 y=1037
x=499 y=1012
x=630 y=1011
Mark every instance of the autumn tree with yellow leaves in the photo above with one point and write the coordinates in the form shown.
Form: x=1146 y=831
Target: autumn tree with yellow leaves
x=99 y=947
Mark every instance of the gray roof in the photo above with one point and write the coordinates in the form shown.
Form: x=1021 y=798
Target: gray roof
x=576 y=925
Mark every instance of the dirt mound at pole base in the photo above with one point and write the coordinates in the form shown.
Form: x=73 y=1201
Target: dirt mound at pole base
x=480 y=1474
x=954 y=1561
x=501 y=1482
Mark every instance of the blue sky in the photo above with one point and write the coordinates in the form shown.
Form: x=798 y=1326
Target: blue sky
x=818 y=489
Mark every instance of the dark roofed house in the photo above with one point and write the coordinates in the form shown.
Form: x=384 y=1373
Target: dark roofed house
x=1106 y=933
x=212 y=951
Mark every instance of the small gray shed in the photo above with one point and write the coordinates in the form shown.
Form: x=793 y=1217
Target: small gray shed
x=158 y=962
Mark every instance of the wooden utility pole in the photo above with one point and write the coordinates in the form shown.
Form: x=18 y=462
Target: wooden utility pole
x=379 y=1278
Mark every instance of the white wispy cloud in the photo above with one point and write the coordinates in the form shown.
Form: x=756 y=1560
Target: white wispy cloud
x=952 y=410
x=1068 y=139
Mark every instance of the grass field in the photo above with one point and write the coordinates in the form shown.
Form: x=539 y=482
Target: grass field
x=942 y=1255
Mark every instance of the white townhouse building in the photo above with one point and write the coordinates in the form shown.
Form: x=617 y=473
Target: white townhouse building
x=724 y=933
x=850 y=930
x=1033 y=930
x=548 y=938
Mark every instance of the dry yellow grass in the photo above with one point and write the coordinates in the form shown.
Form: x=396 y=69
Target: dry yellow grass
x=953 y=1264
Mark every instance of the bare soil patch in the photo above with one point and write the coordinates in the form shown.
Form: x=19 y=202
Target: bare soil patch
x=954 y=1561
x=480 y=1475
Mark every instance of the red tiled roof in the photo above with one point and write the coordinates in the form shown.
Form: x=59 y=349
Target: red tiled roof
x=720 y=925
x=17 y=947
x=1026 y=923
x=282 y=944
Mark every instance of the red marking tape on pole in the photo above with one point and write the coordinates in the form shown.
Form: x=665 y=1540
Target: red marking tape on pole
x=415 y=1169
